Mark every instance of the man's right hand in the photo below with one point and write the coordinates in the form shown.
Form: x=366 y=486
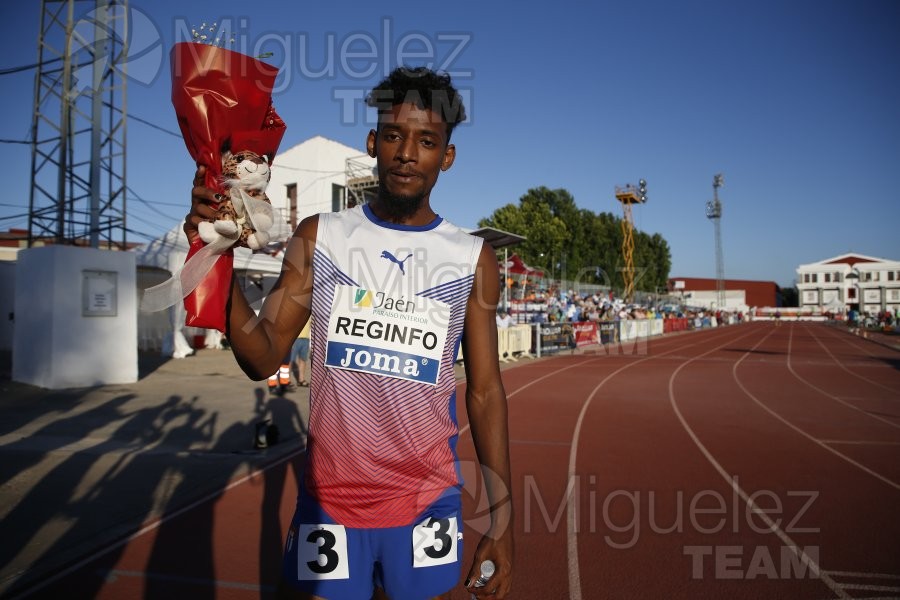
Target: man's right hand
x=203 y=203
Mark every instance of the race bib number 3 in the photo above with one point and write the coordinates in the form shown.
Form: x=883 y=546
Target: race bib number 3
x=373 y=333
x=322 y=552
x=434 y=542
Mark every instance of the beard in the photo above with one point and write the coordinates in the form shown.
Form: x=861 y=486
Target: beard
x=398 y=208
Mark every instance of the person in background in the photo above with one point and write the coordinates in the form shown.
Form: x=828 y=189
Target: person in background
x=300 y=355
x=279 y=382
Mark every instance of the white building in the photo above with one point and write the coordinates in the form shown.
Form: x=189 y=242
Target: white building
x=850 y=281
x=322 y=175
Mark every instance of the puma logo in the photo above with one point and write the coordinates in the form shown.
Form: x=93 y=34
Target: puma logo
x=393 y=259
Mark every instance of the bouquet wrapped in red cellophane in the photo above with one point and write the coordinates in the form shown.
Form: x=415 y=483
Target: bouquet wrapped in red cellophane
x=223 y=101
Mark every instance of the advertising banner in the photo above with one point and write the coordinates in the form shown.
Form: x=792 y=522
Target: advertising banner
x=586 y=333
x=609 y=332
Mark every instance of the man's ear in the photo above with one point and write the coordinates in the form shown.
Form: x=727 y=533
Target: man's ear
x=370 y=143
x=449 y=157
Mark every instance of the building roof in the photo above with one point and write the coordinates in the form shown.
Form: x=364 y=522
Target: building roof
x=850 y=259
x=317 y=141
x=498 y=238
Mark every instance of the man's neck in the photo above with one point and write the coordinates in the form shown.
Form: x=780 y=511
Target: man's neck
x=423 y=215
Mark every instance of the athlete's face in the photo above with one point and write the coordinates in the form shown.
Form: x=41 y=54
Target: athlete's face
x=411 y=145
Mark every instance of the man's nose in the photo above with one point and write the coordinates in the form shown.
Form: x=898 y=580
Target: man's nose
x=406 y=152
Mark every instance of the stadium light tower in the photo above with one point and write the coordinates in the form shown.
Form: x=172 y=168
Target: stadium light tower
x=628 y=196
x=714 y=213
x=78 y=124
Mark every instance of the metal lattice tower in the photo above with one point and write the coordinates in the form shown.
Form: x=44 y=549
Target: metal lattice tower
x=78 y=125
x=362 y=179
x=628 y=196
x=714 y=213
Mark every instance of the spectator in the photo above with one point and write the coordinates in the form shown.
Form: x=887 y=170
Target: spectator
x=504 y=320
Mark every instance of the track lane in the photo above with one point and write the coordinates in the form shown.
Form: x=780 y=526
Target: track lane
x=628 y=444
x=575 y=496
x=652 y=488
x=841 y=429
x=849 y=525
x=865 y=370
x=882 y=362
x=544 y=406
x=871 y=402
x=541 y=413
x=768 y=373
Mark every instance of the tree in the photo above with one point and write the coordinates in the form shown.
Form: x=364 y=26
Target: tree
x=789 y=296
x=546 y=234
x=578 y=244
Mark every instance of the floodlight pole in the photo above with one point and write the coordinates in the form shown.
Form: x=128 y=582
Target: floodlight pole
x=628 y=196
x=714 y=213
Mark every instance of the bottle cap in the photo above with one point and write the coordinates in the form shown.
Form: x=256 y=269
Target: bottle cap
x=487 y=569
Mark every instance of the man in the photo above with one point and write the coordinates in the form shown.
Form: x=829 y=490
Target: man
x=392 y=288
x=300 y=356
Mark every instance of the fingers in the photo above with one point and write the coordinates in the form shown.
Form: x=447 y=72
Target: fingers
x=479 y=589
x=203 y=204
x=496 y=589
x=204 y=201
x=200 y=175
x=498 y=585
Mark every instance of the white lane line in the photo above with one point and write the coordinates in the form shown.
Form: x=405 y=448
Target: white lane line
x=866 y=587
x=850 y=340
x=571 y=502
x=592 y=358
x=531 y=383
x=842 y=366
x=732 y=481
x=863 y=575
x=827 y=394
x=538 y=443
x=861 y=442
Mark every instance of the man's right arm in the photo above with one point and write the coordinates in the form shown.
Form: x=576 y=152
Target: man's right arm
x=260 y=342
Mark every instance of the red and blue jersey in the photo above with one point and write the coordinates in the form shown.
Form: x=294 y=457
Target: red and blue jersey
x=388 y=307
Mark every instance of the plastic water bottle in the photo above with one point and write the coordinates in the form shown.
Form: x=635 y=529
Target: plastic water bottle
x=487 y=571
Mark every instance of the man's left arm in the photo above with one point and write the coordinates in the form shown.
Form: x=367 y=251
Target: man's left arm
x=487 y=412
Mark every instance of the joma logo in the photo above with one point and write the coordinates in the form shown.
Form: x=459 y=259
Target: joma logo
x=379 y=361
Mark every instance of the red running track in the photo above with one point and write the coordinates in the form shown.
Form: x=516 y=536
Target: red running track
x=753 y=461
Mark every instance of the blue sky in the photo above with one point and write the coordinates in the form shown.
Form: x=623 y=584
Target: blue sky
x=795 y=102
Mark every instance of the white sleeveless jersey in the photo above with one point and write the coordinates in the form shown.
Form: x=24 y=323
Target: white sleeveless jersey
x=388 y=308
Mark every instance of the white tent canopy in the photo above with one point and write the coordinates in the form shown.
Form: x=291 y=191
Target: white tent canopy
x=169 y=252
x=835 y=306
x=166 y=254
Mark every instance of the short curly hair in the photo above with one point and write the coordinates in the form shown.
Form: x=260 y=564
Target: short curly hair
x=423 y=87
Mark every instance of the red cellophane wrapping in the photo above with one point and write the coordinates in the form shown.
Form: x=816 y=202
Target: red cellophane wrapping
x=223 y=101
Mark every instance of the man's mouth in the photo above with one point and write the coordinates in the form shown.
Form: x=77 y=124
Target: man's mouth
x=403 y=175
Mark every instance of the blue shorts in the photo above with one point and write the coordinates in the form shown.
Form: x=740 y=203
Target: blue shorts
x=420 y=560
x=300 y=349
